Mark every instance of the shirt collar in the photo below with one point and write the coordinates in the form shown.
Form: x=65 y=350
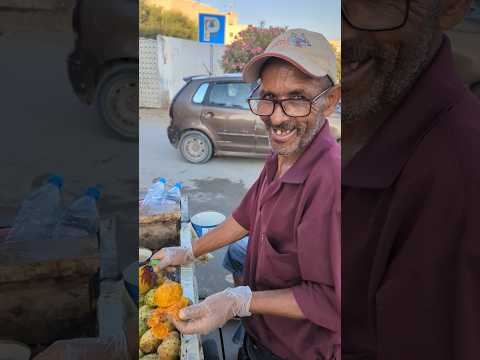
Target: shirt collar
x=380 y=162
x=300 y=170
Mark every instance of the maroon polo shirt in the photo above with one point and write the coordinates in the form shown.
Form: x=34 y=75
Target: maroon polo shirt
x=294 y=226
x=411 y=228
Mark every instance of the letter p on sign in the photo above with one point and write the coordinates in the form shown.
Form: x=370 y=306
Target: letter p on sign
x=211 y=29
x=212 y=26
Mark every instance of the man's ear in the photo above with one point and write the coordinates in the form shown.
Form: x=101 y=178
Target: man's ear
x=331 y=100
x=452 y=12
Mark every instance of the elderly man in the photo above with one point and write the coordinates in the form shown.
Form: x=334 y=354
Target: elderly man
x=290 y=298
x=410 y=186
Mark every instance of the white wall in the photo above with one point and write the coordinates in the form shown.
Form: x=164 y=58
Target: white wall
x=175 y=59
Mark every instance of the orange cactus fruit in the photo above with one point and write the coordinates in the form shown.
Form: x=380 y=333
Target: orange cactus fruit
x=157 y=317
x=174 y=309
x=168 y=294
x=160 y=331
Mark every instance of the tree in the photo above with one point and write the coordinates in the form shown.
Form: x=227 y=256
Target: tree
x=248 y=43
x=155 y=20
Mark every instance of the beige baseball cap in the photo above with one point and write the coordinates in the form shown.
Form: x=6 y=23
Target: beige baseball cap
x=308 y=51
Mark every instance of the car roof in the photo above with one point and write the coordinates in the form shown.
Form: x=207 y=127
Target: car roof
x=233 y=76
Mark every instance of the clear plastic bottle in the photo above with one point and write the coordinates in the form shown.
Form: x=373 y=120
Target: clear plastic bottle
x=38 y=213
x=172 y=199
x=155 y=193
x=81 y=218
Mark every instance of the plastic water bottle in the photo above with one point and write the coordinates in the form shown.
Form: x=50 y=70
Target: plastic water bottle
x=175 y=193
x=39 y=212
x=172 y=199
x=155 y=193
x=81 y=218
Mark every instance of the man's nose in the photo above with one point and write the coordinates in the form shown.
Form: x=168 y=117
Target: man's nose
x=278 y=115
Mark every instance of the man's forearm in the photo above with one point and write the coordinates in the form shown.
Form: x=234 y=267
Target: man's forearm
x=226 y=233
x=276 y=302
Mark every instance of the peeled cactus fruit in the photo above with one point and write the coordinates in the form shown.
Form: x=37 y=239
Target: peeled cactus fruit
x=160 y=331
x=168 y=294
x=148 y=342
x=169 y=349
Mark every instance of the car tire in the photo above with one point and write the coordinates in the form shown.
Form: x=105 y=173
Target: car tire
x=117 y=99
x=195 y=147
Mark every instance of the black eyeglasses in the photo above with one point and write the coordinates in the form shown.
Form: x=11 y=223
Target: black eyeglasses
x=375 y=15
x=291 y=107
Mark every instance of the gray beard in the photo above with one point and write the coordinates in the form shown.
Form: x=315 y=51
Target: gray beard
x=306 y=139
x=400 y=67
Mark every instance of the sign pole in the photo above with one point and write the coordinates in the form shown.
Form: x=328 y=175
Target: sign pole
x=211 y=59
x=211 y=30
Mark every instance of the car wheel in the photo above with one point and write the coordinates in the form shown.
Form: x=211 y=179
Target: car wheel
x=196 y=147
x=117 y=99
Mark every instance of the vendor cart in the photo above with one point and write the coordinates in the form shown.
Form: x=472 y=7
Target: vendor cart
x=177 y=231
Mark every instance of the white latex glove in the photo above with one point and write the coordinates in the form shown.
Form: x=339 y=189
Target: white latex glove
x=214 y=311
x=172 y=256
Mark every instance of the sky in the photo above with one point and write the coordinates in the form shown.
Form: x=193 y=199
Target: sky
x=316 y=15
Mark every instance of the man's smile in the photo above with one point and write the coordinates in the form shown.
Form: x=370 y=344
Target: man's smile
x=282 y=135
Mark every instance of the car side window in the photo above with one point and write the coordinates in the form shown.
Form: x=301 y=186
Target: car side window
x=230 y=95
x=200 y=94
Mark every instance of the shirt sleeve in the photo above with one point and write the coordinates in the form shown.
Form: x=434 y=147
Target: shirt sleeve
x=319 y=251
x=245 y=212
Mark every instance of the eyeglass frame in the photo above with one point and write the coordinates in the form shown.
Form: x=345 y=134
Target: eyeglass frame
x=407 y=15
x=280 y=102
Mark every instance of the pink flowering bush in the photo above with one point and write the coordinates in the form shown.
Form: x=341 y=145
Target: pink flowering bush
x=248 y=43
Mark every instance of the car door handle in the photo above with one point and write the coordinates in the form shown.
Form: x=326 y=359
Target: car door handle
x=208 y=115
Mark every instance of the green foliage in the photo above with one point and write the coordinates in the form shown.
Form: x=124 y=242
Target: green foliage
x=154 y=20
x=248 y=43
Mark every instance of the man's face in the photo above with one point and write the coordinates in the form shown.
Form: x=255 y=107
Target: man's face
x=380 y=67
x=290 y=135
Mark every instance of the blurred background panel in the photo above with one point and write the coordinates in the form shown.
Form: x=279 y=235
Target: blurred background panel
x=69 y=106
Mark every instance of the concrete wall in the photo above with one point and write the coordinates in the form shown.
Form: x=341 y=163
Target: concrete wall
x=175 y=59
x=152 y=91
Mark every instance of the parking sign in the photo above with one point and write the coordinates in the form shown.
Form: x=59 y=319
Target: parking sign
x=211 y=29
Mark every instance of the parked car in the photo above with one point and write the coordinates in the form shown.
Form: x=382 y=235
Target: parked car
x=210 y=116
x=466 y=47
x=103 y=68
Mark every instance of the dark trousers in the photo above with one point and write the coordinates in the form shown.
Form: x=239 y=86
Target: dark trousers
x=252 y=351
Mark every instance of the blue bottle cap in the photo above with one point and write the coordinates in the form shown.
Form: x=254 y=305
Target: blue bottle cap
x=93 y=192
x=56 y=180
x=162 y=180
x=179 y=185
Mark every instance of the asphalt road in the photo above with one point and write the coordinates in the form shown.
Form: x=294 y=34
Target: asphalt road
x=218 y=185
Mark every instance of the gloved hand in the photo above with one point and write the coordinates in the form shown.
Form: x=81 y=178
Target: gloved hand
x=214 y=311
x=173 y=256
